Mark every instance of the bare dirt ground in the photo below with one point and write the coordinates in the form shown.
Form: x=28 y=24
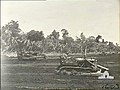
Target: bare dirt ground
x=40 y=75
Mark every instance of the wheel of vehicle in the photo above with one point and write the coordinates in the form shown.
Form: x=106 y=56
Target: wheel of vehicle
x=74 y=72
x=63 y=72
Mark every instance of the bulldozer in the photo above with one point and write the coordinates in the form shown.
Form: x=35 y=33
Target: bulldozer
x=79 y=66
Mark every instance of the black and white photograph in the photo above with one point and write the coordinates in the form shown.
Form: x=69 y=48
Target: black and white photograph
x=60 y=45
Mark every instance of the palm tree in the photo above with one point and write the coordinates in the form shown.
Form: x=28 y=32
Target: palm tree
x=34 y=41
x=12 y=37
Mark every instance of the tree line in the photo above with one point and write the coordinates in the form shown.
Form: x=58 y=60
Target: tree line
x=15 y=41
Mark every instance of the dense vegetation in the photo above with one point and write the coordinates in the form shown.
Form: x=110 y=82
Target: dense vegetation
x=15 y=41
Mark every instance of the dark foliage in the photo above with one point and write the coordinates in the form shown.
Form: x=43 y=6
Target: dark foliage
x=12 y=40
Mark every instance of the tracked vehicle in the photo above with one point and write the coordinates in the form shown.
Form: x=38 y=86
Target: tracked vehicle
x=80 y=66
x=33 y=56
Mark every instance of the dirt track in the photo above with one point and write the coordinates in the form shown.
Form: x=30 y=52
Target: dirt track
x=40 y=74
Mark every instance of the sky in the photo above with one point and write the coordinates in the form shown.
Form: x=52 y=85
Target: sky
x=92 y=17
